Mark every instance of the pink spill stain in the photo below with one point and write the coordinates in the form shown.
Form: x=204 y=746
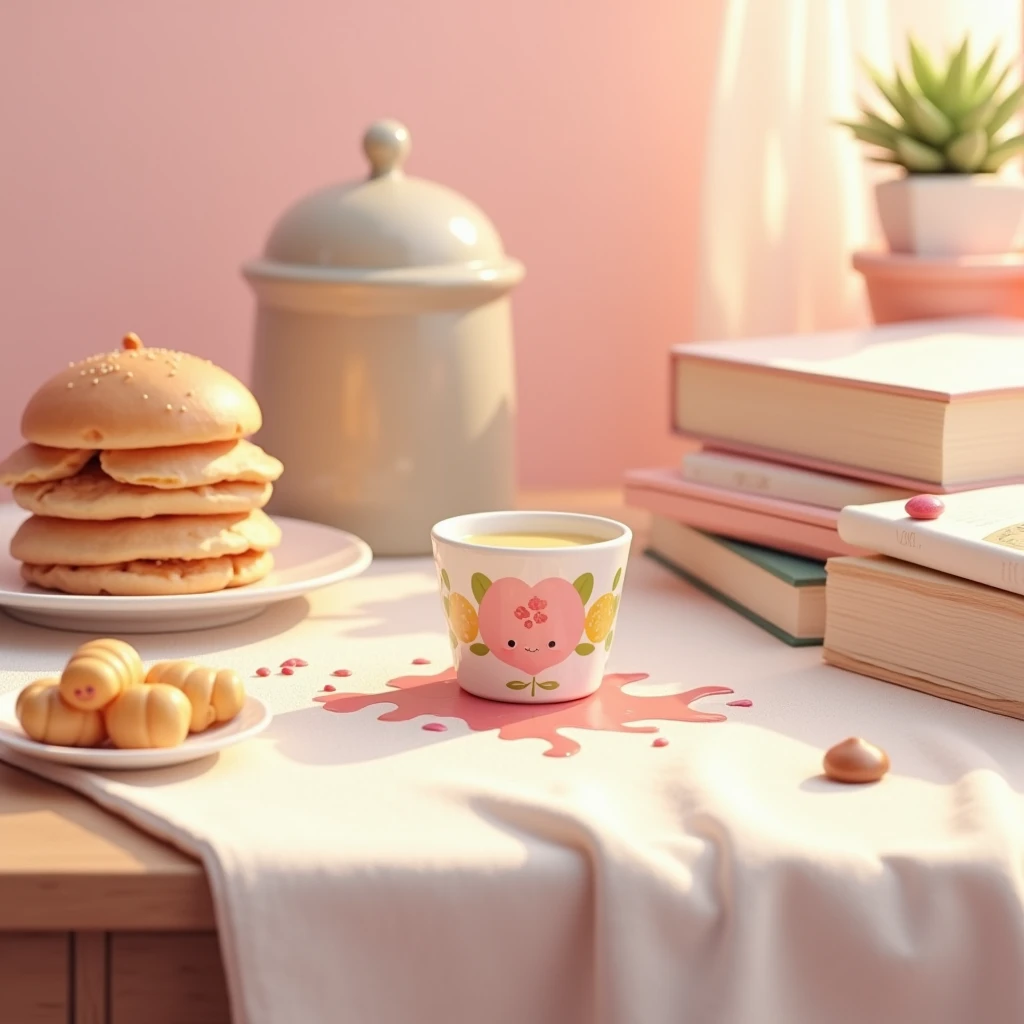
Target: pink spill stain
x=421 y=661
x=608 y=710
x=660 y=742
x=739 y=703
x=435 y=727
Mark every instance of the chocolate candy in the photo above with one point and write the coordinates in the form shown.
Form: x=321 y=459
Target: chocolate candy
x=855 y=760
x=925 y=506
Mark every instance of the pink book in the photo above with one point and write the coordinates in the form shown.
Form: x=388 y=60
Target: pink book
x=798 y=529
x=818 y=465
x=928 y=406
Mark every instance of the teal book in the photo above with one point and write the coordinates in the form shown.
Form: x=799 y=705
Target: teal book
x=783 y=594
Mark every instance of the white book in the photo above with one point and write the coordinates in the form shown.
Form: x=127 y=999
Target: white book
x=926 y=405
x=979 y=536
x=790 y=483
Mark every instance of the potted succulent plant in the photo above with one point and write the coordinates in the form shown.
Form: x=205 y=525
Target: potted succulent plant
x=946 y=125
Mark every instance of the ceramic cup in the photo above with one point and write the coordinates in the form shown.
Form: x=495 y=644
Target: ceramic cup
x=530 y=624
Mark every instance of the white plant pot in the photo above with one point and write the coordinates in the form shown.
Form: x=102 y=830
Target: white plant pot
x=952 y=214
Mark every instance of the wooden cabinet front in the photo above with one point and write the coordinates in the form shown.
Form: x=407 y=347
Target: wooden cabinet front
x=112 y=978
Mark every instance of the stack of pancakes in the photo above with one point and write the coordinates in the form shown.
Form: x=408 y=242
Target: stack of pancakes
x=140 y=479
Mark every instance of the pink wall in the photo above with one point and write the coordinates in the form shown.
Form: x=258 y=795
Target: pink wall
x=148 y=148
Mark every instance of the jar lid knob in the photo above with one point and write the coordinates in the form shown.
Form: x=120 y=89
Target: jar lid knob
x=386 y=144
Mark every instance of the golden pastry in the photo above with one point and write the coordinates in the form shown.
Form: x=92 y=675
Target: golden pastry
x=92 y=495
x=42 y=540
x=192 y=465
x=46 y=718
x=135 y=462
x=216 y=695
x=155 y=578
x=35 y=463
x=98 y=671
x=148 y=716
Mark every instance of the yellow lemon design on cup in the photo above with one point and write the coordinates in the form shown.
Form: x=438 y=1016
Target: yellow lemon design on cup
x=600 y=618
x=462 y=618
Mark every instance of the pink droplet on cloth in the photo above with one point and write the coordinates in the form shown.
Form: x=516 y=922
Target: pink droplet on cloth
x=263 y=671
x=421 y=661
x=660 y=742
x=435 y=727
x=744 y=703
x=343 y=672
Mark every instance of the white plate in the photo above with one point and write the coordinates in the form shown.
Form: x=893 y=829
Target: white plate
x=311 y=556
x=250 y=721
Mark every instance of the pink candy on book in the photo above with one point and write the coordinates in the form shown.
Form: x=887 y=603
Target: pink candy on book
x=925 y=506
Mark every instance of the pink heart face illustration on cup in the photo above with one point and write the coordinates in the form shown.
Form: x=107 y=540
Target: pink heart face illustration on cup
x=528 y=627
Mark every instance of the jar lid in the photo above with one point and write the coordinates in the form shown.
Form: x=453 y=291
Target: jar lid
x=389 y=228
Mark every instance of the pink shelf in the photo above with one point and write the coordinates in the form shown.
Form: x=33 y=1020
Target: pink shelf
x=906 y=287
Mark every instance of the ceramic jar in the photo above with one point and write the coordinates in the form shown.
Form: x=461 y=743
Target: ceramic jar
x=383 y=357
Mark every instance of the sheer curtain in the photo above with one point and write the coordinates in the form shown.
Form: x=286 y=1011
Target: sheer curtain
x=786 y=194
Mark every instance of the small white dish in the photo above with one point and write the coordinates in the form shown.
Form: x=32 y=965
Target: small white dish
x=311 y=556
x=254 y=717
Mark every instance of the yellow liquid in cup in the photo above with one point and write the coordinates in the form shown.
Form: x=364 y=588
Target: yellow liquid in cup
x=531 y=540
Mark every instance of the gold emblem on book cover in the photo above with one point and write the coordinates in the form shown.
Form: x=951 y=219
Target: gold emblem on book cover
x=1008 y=536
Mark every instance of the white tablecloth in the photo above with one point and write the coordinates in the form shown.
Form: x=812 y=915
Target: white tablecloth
x=377 y=873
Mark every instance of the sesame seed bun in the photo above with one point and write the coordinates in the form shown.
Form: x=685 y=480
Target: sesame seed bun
x=139 y=398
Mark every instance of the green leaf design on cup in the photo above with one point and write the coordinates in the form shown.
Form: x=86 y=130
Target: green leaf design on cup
x=584 y=586
x=608 y=640
x=447 y=604
x=444 y=579
x=549 y=685
x=517 y=684
x=480 y=649
x=480 y=584
x=453 y=639
x=618 y=576
x=585 y=649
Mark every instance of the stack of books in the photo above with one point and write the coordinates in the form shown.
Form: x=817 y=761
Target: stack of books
x=941 y=608
x=792 y=430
